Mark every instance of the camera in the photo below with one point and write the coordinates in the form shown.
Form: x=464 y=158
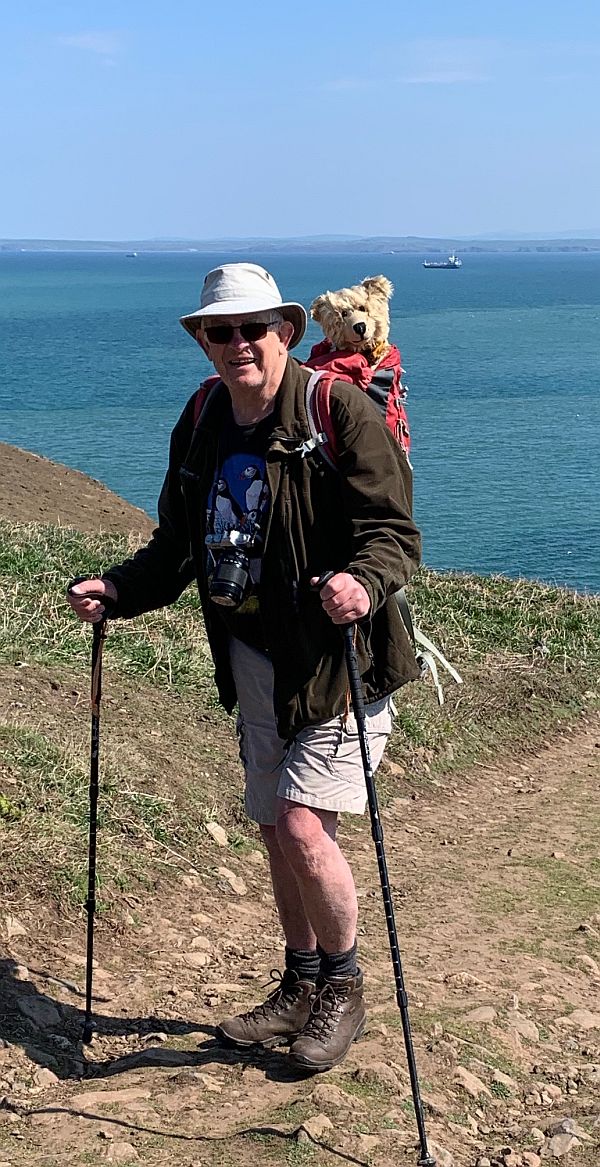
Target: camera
x=230 y=552
x=230 y=579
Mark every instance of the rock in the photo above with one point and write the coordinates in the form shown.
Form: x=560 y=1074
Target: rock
x=210 y=1083
x=484 y=1015
x=551 y=1093
x=566 y=1126
x=217 y=833
x=581 y=1018
x=120 y=1152
x=156 y=1037
x=201 y=942
x=45 y=1078
x=560 y=1145
x=13 y=927
x=442 y=1157
x=256 y=857
x=530 y=1159
x=483 y=1161
x=504 y=1079
x=40 y=1010
x=197 y=959
x=524 y=1027
x=470 y=1082
x=510 y=1158
x=235 y=882
x=327 y=1095
x=200 y=919
x=367 y=1143
x=378 y=1073
x=315 y=1127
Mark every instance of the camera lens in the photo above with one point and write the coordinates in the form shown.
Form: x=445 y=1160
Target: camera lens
x=230 y=578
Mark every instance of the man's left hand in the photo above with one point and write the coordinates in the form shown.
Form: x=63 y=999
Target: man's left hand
x=344 y=598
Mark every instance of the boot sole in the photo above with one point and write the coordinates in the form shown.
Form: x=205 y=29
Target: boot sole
x=318 y=1067
x=269 y=1043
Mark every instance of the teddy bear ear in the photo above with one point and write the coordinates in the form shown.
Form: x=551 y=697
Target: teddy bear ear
x=317 y=307
x=379 y=286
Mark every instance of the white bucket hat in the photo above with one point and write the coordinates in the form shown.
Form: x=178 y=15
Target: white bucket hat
x=242 y=289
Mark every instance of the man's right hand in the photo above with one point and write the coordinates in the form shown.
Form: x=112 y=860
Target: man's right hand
x=82 y=598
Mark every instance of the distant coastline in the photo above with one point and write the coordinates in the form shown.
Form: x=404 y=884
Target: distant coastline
x=309 y=245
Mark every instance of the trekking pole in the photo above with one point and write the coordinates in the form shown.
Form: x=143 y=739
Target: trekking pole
x=358 y=708
x=99 y=636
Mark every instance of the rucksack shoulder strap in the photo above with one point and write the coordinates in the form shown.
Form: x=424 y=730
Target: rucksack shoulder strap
x=318 y=412
x=202 y=395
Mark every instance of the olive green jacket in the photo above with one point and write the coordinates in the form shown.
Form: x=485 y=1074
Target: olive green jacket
x=355 y=518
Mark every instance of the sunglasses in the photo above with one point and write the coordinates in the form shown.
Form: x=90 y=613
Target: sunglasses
x=250 y=330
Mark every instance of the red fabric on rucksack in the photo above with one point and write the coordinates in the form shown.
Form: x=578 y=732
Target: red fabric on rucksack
x=381 y=383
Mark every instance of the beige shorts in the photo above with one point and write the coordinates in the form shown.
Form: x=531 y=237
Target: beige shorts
x=322 y=767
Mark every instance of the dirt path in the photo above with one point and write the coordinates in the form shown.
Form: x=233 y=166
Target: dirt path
x=497 y=892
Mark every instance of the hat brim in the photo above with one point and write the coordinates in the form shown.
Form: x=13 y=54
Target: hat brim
x=294 y=313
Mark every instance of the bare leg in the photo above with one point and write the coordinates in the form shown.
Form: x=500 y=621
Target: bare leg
x=326 y=893
x=296 y=927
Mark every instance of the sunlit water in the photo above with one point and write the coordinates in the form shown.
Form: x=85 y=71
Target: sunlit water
x=502 y=361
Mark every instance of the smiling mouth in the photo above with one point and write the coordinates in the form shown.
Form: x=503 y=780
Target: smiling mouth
x=241 y=363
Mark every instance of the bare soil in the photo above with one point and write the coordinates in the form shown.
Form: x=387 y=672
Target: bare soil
x=496 y=882
x=36 y=490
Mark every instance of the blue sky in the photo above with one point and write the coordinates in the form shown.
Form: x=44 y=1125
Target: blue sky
x=201 y=120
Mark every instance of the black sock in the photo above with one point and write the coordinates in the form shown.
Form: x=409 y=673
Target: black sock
x=338 y=964
x=306 y=965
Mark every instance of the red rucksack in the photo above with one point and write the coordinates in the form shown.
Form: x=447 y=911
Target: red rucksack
x=382 y=384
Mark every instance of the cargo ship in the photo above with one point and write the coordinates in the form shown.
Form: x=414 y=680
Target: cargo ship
x=451 y=262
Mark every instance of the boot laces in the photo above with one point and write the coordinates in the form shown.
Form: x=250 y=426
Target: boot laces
x=282 y=996
x=324 y=1011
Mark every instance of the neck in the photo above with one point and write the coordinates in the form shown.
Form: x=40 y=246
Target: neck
x=249 y=410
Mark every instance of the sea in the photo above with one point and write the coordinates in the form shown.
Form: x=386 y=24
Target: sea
x=502 y=361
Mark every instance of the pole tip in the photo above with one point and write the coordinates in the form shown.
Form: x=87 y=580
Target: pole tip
x=427 y=1161
x=87 y=1033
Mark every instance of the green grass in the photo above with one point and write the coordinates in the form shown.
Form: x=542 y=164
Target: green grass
x=529 y=655
x=37 y=625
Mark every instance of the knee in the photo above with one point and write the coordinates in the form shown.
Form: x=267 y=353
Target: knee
x=301 y=837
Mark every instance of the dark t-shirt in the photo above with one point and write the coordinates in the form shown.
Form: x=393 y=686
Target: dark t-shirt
x=237 y=509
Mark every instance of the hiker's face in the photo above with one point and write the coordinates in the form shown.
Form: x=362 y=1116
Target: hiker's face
x=246 y=364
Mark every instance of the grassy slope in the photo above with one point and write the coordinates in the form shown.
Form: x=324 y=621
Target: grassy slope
x=529 y=655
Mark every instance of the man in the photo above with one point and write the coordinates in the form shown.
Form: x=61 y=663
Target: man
x=257 y=517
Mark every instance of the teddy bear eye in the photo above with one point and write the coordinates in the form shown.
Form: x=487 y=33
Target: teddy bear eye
x=345 y=312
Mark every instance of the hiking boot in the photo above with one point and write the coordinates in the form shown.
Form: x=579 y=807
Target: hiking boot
x=279 y=1019
x=337 y=1018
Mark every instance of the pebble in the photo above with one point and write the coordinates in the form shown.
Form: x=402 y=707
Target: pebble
x=39 y=1010
x=523 y=1025
x=582 y=1018
x=235 y=882
x=560 y=1145
x=314 y=1127
x=120 y=1152
x=442 y=1156
x=483 y=1015
x=470 y=1082
x=217 y=833
x=530 y=1159
x=378 y=1073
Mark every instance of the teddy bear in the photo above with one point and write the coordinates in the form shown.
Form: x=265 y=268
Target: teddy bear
x=356 y=348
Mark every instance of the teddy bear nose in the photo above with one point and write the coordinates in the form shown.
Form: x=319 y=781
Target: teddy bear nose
x=360 y=328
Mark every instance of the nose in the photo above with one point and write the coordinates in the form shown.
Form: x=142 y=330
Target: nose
x=360 y=328
x=237 y=340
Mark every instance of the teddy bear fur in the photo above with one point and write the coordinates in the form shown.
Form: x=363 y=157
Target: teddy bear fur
x=357 y=319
